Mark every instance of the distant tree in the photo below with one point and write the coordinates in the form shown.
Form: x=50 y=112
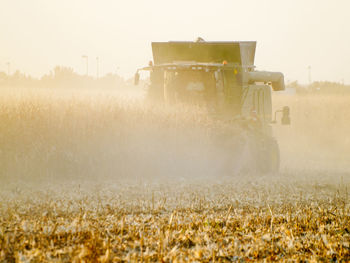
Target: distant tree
x=329 y=87
x=63 y=77
x=3 y=75
x=64 y=73
x=18 y=76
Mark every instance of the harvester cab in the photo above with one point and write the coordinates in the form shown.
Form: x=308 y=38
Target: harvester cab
x=219 y=75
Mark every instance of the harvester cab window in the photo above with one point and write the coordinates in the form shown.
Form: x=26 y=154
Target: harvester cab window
x=189 y=86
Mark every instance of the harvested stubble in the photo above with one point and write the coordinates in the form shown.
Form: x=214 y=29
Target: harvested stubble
x=223 y=220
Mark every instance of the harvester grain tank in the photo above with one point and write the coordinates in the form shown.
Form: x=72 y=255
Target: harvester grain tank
x=222 y=77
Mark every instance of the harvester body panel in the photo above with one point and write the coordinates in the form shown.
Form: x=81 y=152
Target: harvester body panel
x=240 y=53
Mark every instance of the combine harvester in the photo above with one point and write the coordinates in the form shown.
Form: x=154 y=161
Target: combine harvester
x=222 y=77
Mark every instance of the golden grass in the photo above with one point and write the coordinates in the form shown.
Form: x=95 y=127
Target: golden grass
x=49 y=136
x=78 y=185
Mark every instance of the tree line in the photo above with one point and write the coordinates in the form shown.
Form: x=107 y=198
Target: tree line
x=66 y=77
x=320 y=87
x=63 y=77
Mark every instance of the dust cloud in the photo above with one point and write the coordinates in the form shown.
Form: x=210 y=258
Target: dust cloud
x=75 y=135
x=318 y=139
x=82 y=168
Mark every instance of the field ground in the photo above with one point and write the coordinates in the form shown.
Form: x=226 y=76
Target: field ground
x=300 y=217
x=77 y=185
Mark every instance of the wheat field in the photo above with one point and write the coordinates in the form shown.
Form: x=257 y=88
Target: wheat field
x=93 y=178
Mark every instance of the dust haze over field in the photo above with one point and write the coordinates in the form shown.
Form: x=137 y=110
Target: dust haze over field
x=318 y=139
x=83 y=134
x=97 y=176
x=94 y=173
x=91 y=171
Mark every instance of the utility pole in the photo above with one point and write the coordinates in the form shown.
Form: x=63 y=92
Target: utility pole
x=87 y=64
x=309 y=73
x=97 y=67
x=8 y=68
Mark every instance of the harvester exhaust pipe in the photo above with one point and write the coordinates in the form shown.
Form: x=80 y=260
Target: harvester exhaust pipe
x=276 y=78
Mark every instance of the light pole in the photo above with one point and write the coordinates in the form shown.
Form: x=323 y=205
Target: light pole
x=8 y=68
x=87 y=64
x=309 y=73
x=97 y=67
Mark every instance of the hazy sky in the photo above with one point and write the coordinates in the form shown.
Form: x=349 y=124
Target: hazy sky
x=36 y=35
